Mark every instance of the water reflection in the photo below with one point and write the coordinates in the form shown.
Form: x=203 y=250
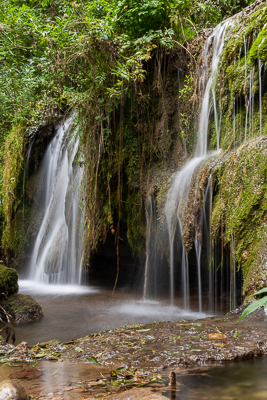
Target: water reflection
x=58 y=380
x=244 y=380
x=65 y=380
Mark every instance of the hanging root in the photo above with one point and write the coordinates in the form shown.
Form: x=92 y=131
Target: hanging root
x=8 y=325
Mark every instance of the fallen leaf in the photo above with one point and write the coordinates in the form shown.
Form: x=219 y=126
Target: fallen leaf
x=78 y=349
x=120 y=369
x=93 y=360
x=39 y=355
x=219 y=336
x=55 y=372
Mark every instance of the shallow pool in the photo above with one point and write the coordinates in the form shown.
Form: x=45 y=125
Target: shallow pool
x=71 y=312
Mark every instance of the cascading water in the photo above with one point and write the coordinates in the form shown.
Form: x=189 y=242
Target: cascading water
x=260 y=90
x=57 y=253
x=149 y=222
x=181 y=181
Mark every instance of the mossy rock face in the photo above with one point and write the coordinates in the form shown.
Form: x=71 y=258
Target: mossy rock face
x=257 y=276
x=23 y=308
x=8 y=280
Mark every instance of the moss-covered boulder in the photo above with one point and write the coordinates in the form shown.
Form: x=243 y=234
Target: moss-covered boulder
x=23 y=308
x=8 y=280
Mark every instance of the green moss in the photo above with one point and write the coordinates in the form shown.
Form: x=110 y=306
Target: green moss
x=240 y=75
x=8 y=280
x=240 y=204
x=259 y=47
x=236 y=75
x=23 y=308
x=13 y=162
x=246 y=26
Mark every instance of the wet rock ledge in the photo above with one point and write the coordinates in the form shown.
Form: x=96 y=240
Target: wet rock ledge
x=23 y=308
x=20 y=306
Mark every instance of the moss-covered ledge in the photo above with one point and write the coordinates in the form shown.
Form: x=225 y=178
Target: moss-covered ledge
x=23 y=308
x=20 y=306
x=240 y=210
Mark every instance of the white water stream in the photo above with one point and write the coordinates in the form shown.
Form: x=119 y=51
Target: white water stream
x=181 y=181
x=57 y=253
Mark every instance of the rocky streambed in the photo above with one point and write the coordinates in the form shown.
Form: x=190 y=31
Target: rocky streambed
x=104 y=364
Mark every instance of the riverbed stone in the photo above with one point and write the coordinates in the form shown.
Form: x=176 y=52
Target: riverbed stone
x=23 y=307
x=8 y=280
x=12 y=391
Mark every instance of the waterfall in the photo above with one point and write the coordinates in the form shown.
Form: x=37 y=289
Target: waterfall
x=178 y=192
x=149 y=222
x=260 y=95
x=57 y=252
x=251 y=104
x=234 y=120
x=198 y=256
x=173 y=212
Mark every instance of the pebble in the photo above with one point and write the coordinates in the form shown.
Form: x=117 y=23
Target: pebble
x=12 y=391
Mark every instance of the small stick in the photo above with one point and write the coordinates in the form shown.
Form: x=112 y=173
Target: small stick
x=172 y=379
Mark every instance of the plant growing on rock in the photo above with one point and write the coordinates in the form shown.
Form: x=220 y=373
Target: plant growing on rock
x=256 y=304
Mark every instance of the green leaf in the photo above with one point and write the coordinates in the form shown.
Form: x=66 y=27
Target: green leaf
x=101 y=101
x=253 y=306
x=93 y=360
x=45 y=2
x=120 y=369
x=264 y=290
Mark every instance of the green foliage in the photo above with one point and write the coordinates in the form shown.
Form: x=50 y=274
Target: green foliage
x=56 y=54
x=135 y=17
x=13 y=161
x=256 y=304
x=93 y=56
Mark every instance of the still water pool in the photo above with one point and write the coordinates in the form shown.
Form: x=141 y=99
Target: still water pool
x=246 y=380
x=71 y=312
